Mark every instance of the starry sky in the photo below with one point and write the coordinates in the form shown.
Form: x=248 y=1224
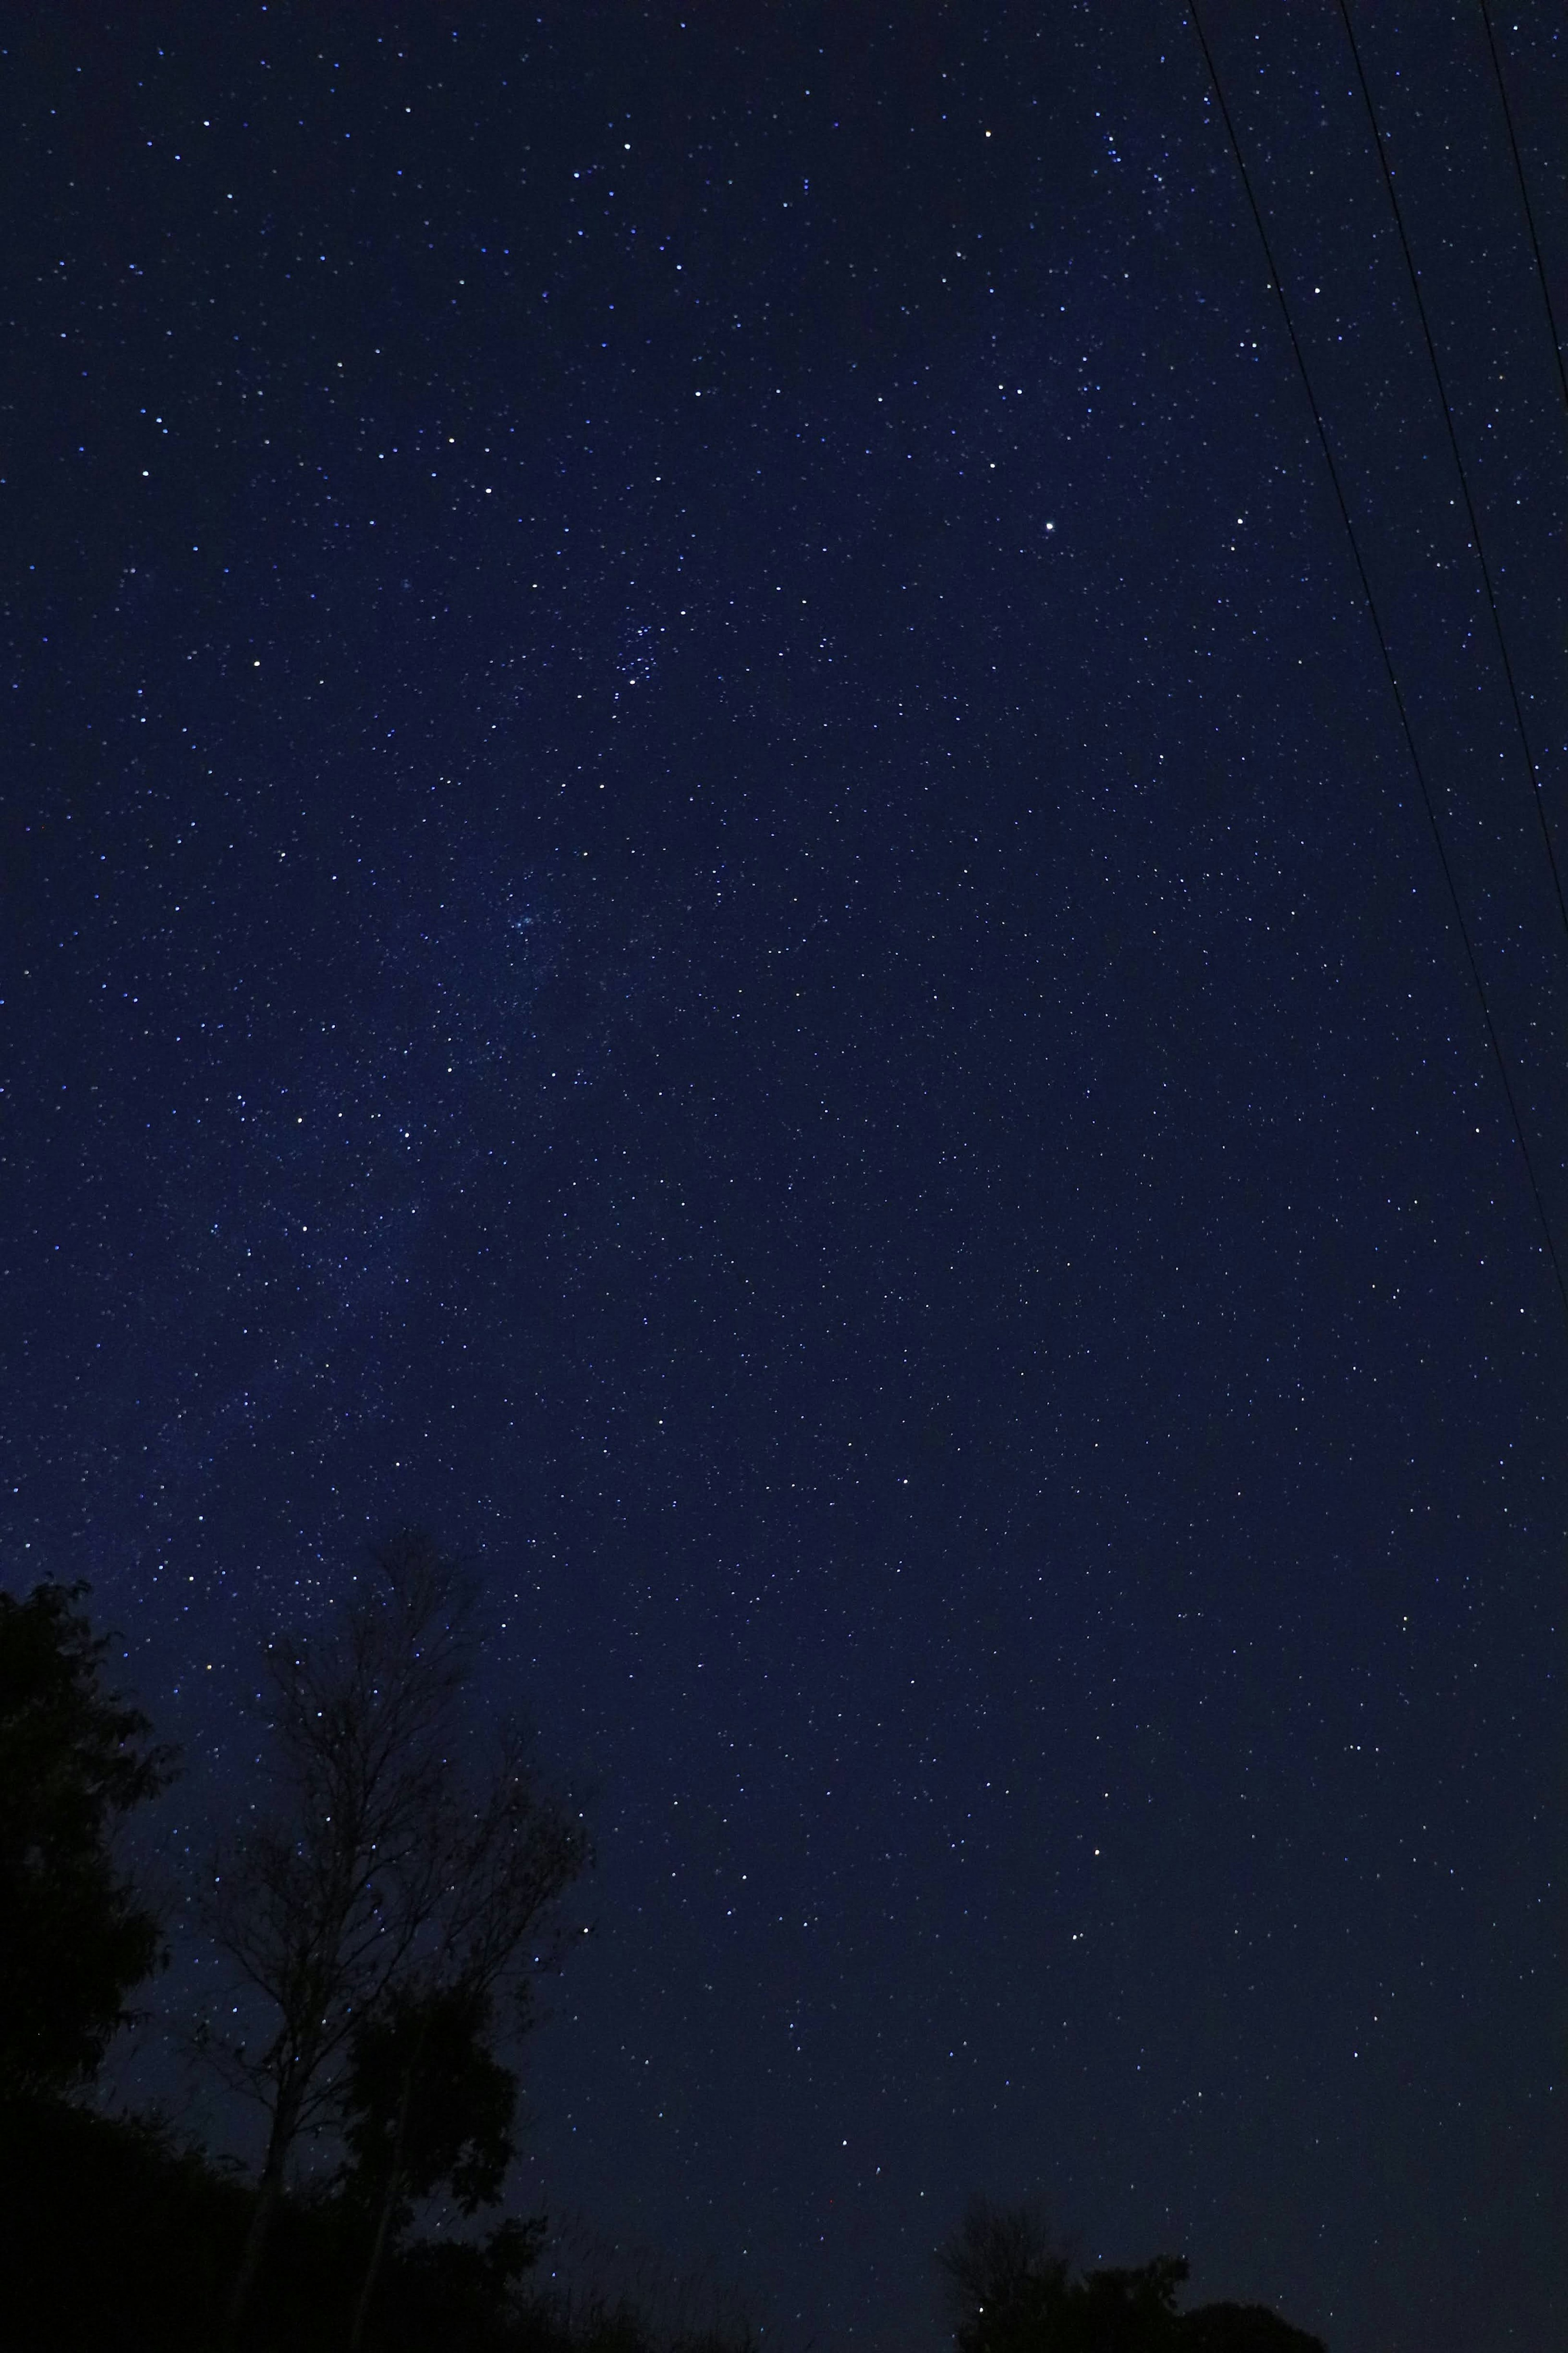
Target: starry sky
x=710 y=880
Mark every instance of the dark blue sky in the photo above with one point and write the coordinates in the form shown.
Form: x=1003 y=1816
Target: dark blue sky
x=709 y=879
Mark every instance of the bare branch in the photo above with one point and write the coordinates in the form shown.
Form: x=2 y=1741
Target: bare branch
x=382 y=1867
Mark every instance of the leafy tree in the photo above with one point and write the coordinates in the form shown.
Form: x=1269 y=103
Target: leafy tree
x=1242 y=2328
x=453 y=2293
x=1010 y=2288
x=1126 y=2311
x=383 y=1867
x=1004 y=2274
x=74 y=1759
x=113 y=2233
x=427 y=2103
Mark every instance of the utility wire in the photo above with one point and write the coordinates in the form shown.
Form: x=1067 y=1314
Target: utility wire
x=1513 y=696
x=1524 y=199
x=1426 y=802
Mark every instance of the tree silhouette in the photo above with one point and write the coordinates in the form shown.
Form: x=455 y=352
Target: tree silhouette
x=74 y=1759
x=1242 y=2328
x=383 y=1867
x=426 y=2103
x=1011 y=2288
x=1002 y=2275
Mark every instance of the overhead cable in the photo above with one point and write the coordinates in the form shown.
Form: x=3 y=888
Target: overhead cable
x=1524 y=199
x=1460 y=925
x=1513 y=694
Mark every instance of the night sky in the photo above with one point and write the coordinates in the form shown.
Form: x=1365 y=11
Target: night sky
x=711 y=881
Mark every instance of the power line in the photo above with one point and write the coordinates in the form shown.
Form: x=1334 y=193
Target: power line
x=1513 y=695
x=1426 y=802
x=1524 y=199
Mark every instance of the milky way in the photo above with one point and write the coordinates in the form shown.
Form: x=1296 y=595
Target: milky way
x=711 y=881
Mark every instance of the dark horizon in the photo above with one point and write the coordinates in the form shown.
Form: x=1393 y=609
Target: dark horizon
x=710 y=881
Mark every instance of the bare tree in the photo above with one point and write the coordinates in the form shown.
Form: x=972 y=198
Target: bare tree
x=1001 y=2264
x=515 y=1856
x=382 y=1864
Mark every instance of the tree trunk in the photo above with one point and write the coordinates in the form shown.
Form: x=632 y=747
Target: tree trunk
x=384 y=2219
x=268 y=2192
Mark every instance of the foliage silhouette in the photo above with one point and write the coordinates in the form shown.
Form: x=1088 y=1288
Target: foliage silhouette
x=427 y=2104
x=1011 y=2288
x=74 y=1759
x=112 y=2230
x=388 y=1908
x=383 y=1870
x=112 y=2233
x=1242 y=2328
x=1001 y=2265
